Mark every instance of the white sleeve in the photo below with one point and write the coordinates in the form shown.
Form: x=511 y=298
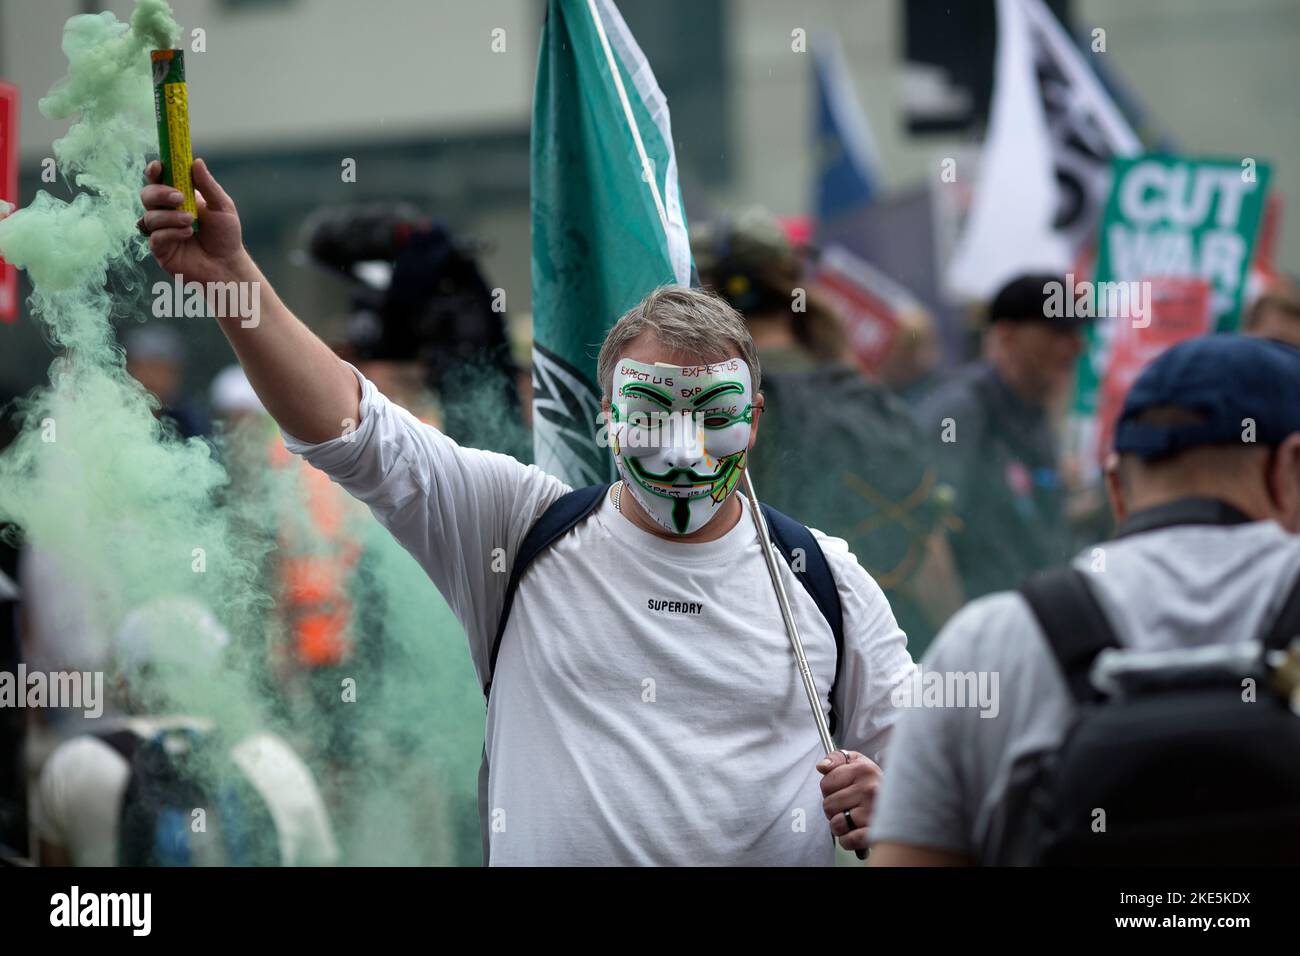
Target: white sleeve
x=78 y=798
x=461 y=512
x=286 y=784
x=49 y=804
x=923 y=794
x=875 y=658
x=945 y=759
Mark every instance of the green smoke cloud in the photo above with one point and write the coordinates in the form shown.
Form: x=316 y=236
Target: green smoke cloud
x=134 y=514
x=67 y=247
x=92 y=478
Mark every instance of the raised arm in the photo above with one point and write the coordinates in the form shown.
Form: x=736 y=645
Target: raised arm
x=305 y=387
x=460 y=512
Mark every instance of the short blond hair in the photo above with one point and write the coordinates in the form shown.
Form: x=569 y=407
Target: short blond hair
x=682 y=319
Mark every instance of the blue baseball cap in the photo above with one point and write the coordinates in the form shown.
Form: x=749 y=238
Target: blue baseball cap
x=1223 y=379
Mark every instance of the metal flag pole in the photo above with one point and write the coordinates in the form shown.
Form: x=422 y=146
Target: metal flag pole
x=791 y=628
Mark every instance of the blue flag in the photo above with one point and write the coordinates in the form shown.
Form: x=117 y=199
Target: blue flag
x=847 y=166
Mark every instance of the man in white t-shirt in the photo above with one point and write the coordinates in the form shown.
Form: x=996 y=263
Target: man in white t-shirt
x=77 y=807
x=644 y=707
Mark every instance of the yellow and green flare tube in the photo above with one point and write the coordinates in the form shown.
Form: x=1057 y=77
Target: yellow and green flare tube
x=172 y=110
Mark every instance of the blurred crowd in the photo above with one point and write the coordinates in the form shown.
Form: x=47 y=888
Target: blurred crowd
x=859 y=453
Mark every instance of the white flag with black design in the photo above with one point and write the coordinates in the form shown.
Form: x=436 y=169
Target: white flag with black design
x=1045 y=167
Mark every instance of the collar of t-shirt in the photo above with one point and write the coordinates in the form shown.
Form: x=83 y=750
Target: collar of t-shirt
x=1184 y=511
x=683 y=552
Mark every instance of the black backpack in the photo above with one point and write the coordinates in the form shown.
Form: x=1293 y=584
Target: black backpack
x=567 y=511
x=172 y=774
x=1175 y=765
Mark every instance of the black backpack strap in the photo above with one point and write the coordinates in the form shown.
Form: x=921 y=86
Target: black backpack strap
x=789 y=535
x=1287 y=625
x=1072 y=621
x=124 y=742
x=557 y=520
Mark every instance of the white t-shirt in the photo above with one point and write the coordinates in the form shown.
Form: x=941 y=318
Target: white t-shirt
x=78 y=801
x=646 y=707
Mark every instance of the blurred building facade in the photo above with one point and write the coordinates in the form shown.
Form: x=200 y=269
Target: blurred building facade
x=432 y=100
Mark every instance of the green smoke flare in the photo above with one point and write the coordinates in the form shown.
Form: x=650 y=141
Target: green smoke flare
x=133 y=514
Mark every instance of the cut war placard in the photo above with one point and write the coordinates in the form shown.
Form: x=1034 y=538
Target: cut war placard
x=1180 y=309
x=1167 y=218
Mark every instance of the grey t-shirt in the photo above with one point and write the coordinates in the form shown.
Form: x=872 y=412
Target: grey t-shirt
x=1182 y=586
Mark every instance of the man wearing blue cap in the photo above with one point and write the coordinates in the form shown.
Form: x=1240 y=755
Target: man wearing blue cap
x=1205 y=487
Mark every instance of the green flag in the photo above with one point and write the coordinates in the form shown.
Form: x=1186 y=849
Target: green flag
x=607 y=218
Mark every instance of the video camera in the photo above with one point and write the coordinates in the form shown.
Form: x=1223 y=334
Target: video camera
x=417 y=293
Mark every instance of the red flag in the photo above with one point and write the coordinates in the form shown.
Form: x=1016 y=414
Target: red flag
x=1269 y=228
x=8 y=191
x=872 y=306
